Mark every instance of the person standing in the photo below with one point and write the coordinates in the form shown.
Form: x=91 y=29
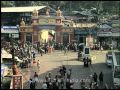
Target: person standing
x=65 y=50
x=41 y=52
x=44 y=86
x=84 y=61
x=32 y=85
x=95 y=77
x=64 y=70
x=36 y=78
x=45 y=47
x=38 y=64
x=67 y=83
x=69 y=73
x=82 y=84
x=101 y=77
x=90 y=61
x=33 y=55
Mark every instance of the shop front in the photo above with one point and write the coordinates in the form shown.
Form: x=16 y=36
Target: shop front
x=67 y=35
x=105 y=38
x=85 y=36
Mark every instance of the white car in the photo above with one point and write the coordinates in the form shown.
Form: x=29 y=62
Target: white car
x=109 y=59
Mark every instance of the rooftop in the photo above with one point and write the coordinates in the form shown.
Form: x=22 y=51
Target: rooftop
x=22 y=9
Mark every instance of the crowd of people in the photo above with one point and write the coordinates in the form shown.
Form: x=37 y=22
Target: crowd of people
x=96 y=82
x=62 y=80
x=26 y=52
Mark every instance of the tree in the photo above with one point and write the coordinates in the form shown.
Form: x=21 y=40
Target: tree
x=22 y=3
x=7 y=4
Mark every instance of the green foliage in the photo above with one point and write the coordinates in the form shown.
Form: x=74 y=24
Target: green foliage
x=6 y=85
x=7 y=4
x=101 y=6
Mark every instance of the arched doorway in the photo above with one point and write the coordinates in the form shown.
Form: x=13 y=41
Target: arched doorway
x=45 y=35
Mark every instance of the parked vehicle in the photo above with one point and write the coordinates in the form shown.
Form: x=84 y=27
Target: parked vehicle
x=109 y=58
x=116 y=69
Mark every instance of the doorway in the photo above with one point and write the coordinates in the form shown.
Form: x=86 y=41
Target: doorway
x=65 y=38
x=29 y=37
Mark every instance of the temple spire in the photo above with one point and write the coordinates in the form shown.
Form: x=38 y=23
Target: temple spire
x=22 y=23
x=47 y=12
x=58 y=12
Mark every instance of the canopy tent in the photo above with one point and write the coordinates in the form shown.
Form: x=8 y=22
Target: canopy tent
x=5 y=54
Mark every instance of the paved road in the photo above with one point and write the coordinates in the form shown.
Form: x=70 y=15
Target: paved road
x=51 y=63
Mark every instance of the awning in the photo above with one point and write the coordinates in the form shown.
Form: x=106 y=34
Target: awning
x=5 y=54
x=22 y=9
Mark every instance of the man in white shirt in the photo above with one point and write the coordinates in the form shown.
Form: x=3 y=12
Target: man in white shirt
x=38 y=64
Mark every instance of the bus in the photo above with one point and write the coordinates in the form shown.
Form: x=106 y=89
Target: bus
x=116 y=68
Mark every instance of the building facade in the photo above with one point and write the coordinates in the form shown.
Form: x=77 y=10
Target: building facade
x=43 y=28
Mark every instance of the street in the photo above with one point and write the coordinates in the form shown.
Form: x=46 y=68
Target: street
x=51 y=62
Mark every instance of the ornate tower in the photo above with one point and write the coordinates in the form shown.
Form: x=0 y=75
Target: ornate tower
x=58 y=12
x=35 y=12
x=22 y=23
x=47 y=12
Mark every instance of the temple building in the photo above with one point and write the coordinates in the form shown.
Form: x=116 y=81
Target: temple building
x=44 y=28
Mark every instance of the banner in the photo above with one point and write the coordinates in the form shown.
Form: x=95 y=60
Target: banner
x=46 y=21
x=17 y=82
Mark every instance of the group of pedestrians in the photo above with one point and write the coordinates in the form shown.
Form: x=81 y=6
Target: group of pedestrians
x=69 y=46
x=62 y=80
x=33 y=82
x=95 y=82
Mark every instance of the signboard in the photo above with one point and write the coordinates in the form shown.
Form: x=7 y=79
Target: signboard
x=85 y=32
x=14 y=35
x=10 y=72
x=81 y=32
x=46 y=21
x=51 y=27
x=86 y=50
x=104 y=34
x=17 y=82
x=26 y=30
x=10 y=27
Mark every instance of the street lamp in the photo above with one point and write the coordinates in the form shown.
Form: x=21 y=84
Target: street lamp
x=14 y=68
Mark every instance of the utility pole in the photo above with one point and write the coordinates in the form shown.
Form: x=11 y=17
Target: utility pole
x=15 y=71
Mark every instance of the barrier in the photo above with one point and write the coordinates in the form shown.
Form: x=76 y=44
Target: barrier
x=11 y=84
x=16 y=82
